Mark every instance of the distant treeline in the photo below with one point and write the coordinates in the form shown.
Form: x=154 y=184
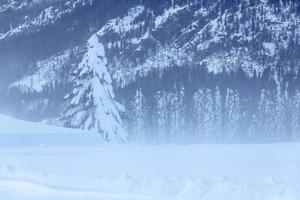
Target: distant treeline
x=193 y=105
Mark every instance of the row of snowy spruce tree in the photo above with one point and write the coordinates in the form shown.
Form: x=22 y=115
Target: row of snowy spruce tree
x=214 y=116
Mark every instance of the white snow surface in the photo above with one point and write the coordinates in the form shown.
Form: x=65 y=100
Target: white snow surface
x=14 y=133
x=90 y=171
x=205 y=172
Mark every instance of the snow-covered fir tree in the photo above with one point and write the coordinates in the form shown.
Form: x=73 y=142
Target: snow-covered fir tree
x=208 y=121
x=218 y=118
x=92 y=104
x=263 y=122
x=199 y=113
x=177 y=116
x=139 y=111
x=232 y=115
x=295 y=112
x=279 y=115
x=182 y=121
x=161 y=115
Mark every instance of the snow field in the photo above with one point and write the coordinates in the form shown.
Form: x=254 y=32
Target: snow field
x=206 y=172
x=40 y=162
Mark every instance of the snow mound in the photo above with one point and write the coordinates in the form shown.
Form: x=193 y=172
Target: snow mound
x=14 y=132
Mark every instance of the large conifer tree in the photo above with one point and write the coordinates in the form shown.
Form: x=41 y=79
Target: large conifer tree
x=91 y=104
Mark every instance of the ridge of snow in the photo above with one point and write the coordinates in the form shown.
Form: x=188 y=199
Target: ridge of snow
x=168 y=13
x=10 y=125
x=48 y=15
x=19 y=133
x=125 y=24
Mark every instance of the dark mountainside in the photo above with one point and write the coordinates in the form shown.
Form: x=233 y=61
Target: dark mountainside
x=155 y=71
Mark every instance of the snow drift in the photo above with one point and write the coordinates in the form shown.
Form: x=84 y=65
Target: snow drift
x=14 y=132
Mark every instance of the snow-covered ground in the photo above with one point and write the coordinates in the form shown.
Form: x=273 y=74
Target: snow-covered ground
x=14 y=132
x=88 y=171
